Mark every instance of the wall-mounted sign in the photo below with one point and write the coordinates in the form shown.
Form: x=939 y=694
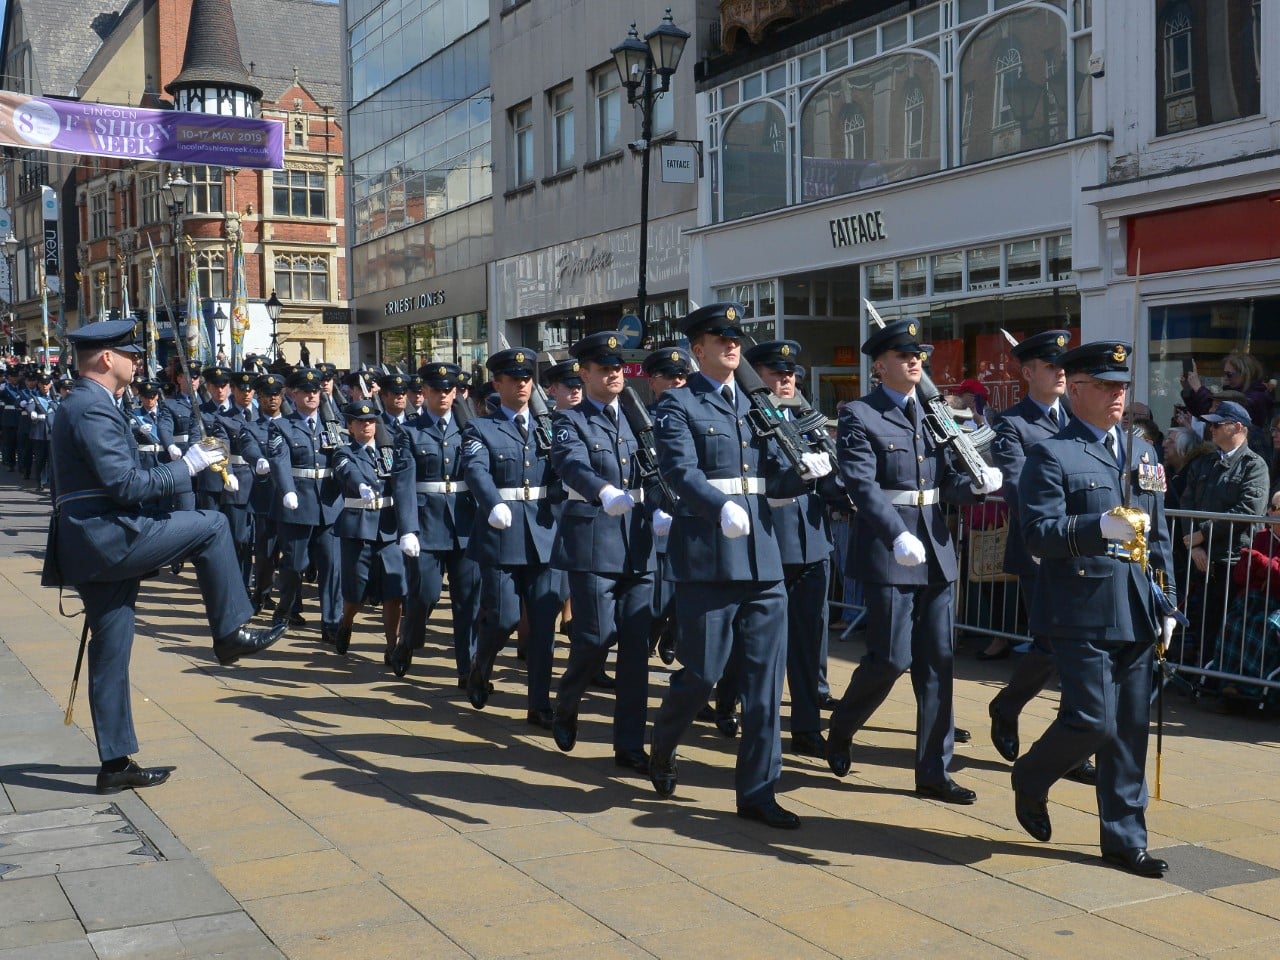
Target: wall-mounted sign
x=679 y=163
x=860 y=228
x=420 y=301
x=52 y=243
x=335 y=315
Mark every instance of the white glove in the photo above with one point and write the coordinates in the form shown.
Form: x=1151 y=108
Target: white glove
x=661 y=522
x=35 y=414
x=1166 y=630
x=734 y=521
x=232 y=483
x=500 y=517
x=992 y=480
x=290 y=501
x=262 y=467
x=409 y=545
x=1118 y=528
x=908 y=550
x=365 y=491
x=201 y=458
x=145 y=429
x=615 y=502
x=813 y=466
x=175 y=452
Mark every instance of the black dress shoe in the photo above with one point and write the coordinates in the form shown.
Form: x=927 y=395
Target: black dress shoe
x=827 y=702
x=948 y=792
x=727 y=724
x=1137 y=860
x=244 y=643
x=809 y=745
x=478 y=688
x=662 y=773
x=342 y=641
x=401 y=658
x=706 y=714
x=961 y=735
x=1033 y=815
x=328 y=634
x=636 y=760
x=543 y=718
x=1086 y=773
x=132 y=776
x=297 y=620
x=1004 y=734
x=771 y=815
x=603 y=681
x=667 y=648
x=839 y=754
x=268 y=603
x=564 y=730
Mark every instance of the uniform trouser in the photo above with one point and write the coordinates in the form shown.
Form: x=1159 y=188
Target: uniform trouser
x=742 y=621
x=379 y=561
x=9 y=444
x=611 y=609
x=301 y=544
x=908 y=627
x=24 y=448
x=1104 y=711
x=208 y=499
x=40 y=460
x=109 y=608
x=807 y=585
x=426 y=582
x=265 y=547
x=241 y=522
x=502 y=589
x=1032 y=672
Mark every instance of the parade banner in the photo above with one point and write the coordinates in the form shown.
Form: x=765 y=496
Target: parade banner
x=134 y=133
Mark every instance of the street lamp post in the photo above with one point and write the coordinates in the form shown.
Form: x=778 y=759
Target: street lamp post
x=274 y=307
x=10 y=246
x=645 y=68
x=220 y=323
x=174 y=193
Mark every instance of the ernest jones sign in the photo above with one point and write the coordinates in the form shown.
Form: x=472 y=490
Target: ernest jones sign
x=104 y=130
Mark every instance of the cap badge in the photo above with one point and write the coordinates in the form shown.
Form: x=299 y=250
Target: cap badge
x=442 y=371
x=911 y=329
x=675 y=356
x=924 y=355
x=1061 y=341
x=785 y=351
x=613 y=343
x=1118 y=354
x=311 y=376
x=731 y=314
x=519 y=358
x=576 y=368
x=364 y=408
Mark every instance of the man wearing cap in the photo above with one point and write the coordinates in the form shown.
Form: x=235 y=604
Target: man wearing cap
x=563 y=383
x=604 y=540
x=30 y=375
x=109 y=532
x=378 y=527
x=38 y=409
x=1041 y=414
x=209 y=488
x=1101 y=611
x=666 y=369
x=10 y=409
x=394 y=391
x=1233 y=483
x=174 y=427
x=308 y=504
x=731 y=601
x=145 y=424
x=516 y=490
x=446 y=514
x=800 y=525
x=900 y=548
x=263 y=497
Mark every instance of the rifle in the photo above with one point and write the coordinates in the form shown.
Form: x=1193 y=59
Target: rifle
x=331 y=422
x=811 y=424
x=541 y=413
x=767 y=419
x=646 y=454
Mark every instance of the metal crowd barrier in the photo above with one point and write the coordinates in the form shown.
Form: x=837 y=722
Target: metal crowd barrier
x=1233 y=640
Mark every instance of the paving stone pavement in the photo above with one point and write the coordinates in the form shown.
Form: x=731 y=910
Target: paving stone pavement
x=322 y=808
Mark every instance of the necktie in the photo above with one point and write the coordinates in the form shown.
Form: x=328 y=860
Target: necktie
x=910 y=410
x=612 y=414
x=727 y=392
x=522 y=426
x=1110 y=441
x=443 y=426
x=311 y=425
x=1053 y=416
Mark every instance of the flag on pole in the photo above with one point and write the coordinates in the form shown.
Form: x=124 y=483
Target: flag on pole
x=239 y=305
x=198 y=349
x=153 y=362
x=126 y=310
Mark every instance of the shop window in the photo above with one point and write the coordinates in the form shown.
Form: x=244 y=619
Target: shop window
x=754 y=156
x=298 y=193
x=1016 y=66
x=206 y=189
x=1023 y=259
x=1058 y=250
x=211 y=274
x=984 y=268
x=1208 y=62
x=880 y=282
x=912 y=282
x=948 y=272
x=301 y=277
x=897 y=99
x=795 y=298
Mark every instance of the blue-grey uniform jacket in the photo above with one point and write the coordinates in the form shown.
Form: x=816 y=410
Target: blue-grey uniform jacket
x=496 y=458
x=700 y=438
x=173 y=424
x=881 y=456
x=300 y=464
x=446 y=516
x=392 y=485
x=1017 y=429
x=104 y=494
x=587 y=453
x=262 y=492
x=1067 y=483
x=245 y=452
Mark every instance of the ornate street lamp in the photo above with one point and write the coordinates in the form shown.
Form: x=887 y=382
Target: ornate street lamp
x=274 y=306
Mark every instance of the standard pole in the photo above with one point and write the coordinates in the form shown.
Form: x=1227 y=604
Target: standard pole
x=646 y=132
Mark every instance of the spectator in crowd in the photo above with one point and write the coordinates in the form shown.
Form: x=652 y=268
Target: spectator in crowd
x=1182 y=446
x=1251 y=638
x=1235 y=483
x=1240 y=372
x=1275 y=453
x=970 y=395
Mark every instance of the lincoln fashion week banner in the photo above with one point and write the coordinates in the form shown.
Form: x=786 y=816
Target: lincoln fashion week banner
x=105 y=130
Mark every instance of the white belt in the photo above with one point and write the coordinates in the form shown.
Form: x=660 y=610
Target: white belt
x=368 y=503
x=37 y=416
x=306 y=474
x=784 y=502
x=181 y=437
x=150 y=448
x=738 y=485
x=636 y=494
x=442 y=486
x=912 y=498
x=236 y=460
x=522 y=493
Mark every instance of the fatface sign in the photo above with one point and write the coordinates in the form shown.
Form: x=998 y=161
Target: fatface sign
x=860 y=228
